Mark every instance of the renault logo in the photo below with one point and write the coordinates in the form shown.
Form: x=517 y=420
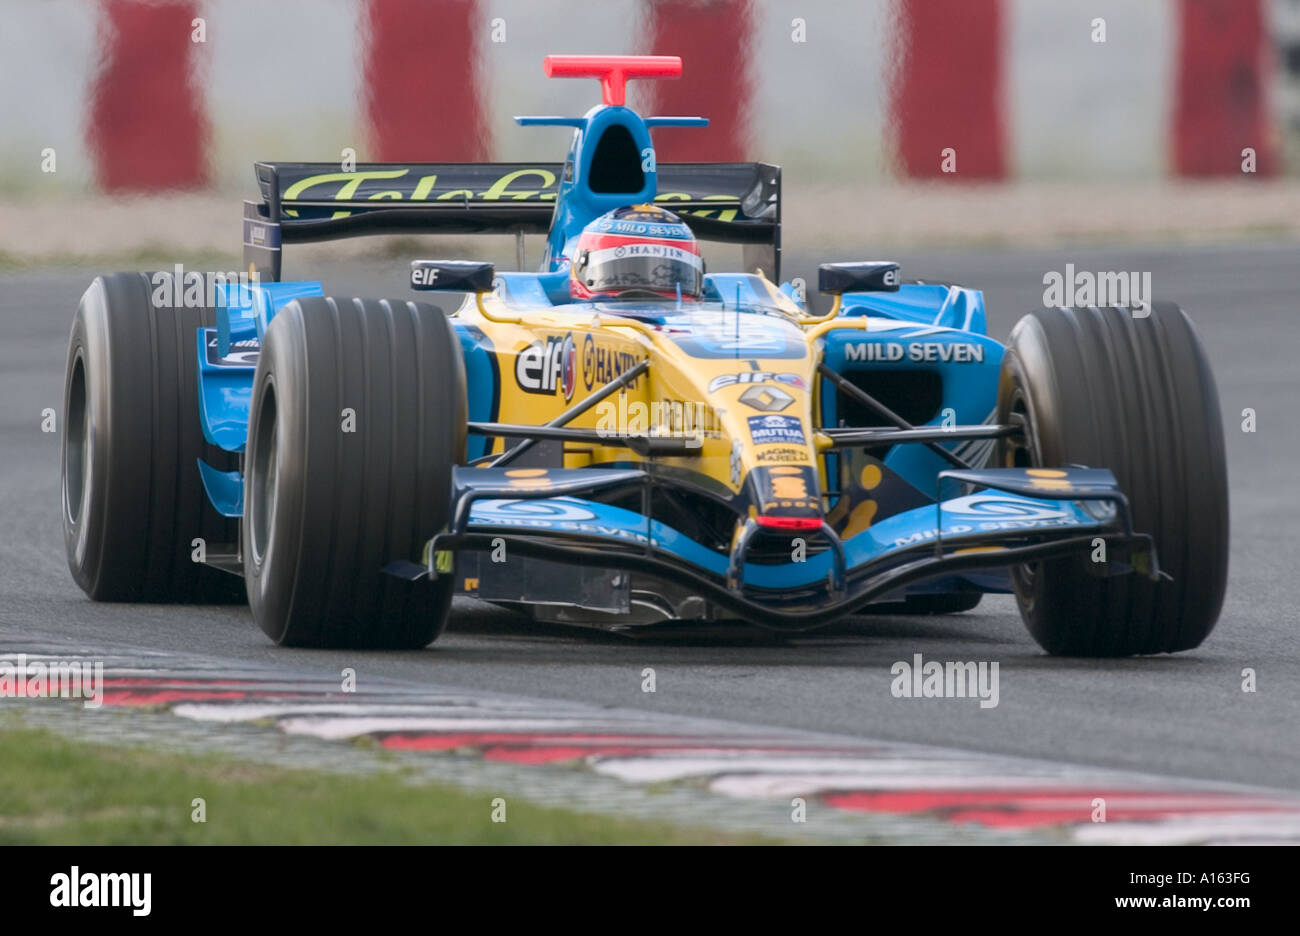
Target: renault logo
x=766 y=399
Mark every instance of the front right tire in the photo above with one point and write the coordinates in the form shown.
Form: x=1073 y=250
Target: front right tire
x=1106 y=389
x=134 y=507
x=357 y=417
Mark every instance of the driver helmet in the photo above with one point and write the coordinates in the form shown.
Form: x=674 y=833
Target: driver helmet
x=638 y=251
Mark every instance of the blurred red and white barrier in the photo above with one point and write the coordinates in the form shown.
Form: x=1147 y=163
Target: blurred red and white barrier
x=1220 y=104
x=147 y=127
x=1015 y=88
x=424 y=92
x=717 y=39
x=948 y=107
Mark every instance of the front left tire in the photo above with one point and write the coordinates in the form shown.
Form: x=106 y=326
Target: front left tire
x=357 y=417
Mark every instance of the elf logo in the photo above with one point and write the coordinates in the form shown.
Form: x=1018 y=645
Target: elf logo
x=424 y=275
x=756 y=377
x=545 y=365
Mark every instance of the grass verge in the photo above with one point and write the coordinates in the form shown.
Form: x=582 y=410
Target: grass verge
x=54 y=790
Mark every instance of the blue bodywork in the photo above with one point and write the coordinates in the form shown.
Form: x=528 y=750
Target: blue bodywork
x=917 y=315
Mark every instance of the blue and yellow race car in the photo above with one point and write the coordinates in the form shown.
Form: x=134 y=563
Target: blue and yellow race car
x=622 y=437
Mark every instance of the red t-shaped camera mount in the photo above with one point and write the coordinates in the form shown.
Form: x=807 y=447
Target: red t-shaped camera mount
x=614 y=71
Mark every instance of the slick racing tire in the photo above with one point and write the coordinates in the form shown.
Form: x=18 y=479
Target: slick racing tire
x=358 y=415
x=133 y=498
x=1106 y=389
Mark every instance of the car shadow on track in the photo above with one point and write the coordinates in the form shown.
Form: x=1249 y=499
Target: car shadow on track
x=483 y=620
x=479 y=631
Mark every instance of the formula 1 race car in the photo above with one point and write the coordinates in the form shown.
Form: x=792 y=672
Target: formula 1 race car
x=622 y=438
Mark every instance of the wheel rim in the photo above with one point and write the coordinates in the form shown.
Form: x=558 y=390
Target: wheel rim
x=265 y=469
x=1019 y=452
x=76 y=449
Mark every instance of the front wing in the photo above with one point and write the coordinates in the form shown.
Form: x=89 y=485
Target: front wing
x=1010 y=517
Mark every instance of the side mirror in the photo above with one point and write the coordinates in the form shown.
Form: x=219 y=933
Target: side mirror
x=864 y=276
x=452 y=275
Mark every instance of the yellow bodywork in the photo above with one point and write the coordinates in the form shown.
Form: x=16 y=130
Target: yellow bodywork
x=680 y=395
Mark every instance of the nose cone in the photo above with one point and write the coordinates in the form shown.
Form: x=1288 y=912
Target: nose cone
x=766 y=410
x=786 y=497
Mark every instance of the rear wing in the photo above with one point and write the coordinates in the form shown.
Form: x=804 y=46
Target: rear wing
x=737 y=203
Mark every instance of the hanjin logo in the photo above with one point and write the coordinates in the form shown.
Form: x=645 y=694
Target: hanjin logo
x=601 y=364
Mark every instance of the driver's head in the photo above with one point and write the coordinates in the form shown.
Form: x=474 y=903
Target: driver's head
x=640 y=250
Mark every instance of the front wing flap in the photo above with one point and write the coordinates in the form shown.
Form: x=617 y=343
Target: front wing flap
x=1011 y=516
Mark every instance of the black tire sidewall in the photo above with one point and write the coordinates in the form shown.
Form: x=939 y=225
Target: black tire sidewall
x=1136 y=396
x=83 y=538
x=319 y=582
x=144 y=502
x=279 y=368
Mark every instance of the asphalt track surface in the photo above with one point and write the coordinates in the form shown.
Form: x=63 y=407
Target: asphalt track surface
x=1182 y=715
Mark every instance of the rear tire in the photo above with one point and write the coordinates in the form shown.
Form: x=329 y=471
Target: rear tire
x=327 y=506
x=1102 y=388
x=133 y=499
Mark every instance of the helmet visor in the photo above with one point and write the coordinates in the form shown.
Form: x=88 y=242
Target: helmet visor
x=657 y=267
